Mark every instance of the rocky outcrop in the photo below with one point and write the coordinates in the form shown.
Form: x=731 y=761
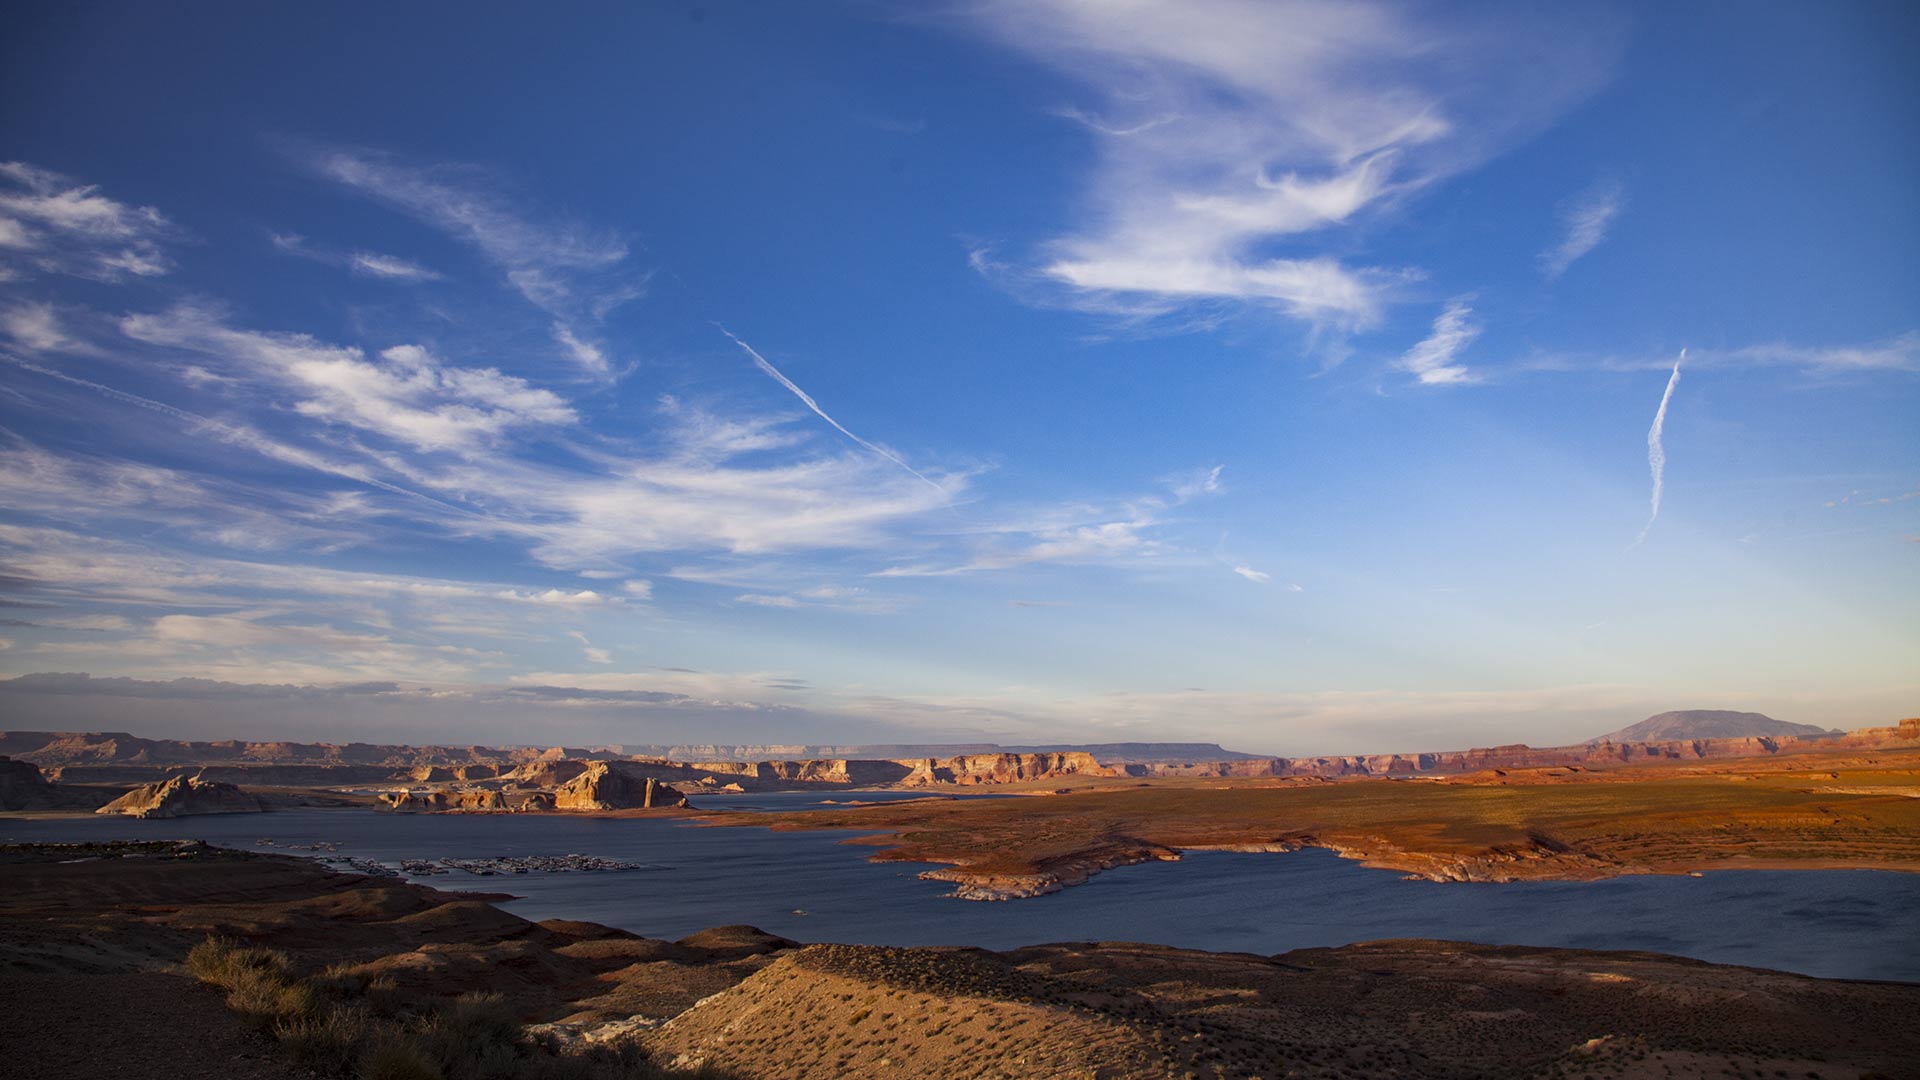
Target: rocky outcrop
x=470 y=802
x=827 y=772
x=615 y=785
x=544 y=774
x=185 y=796
x=23 y=788
x=972 y=769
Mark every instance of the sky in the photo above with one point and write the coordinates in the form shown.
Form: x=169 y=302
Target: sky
x=1306 y=377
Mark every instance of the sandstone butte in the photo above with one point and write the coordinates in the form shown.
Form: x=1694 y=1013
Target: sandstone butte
x=185 y=796
x=597 y=786
x=615 y=785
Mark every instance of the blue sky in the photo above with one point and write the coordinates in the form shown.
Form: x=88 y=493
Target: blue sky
x=1280 y=374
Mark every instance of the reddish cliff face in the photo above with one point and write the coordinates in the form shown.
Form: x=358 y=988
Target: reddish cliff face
x=442 y=802
x=971 y=769
x=835 y=772
x=615 y=785
x=184 y=796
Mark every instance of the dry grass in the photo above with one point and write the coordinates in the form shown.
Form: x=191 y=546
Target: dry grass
x=339 y=1024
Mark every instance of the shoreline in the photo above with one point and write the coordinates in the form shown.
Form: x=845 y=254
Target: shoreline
x=759 y=1006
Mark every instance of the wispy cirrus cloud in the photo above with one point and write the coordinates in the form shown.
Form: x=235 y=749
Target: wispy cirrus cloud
x=1116 y=533
x=407 y=395
x=364 y=263
x=1896 y=354
x=57 y=225
x=1586 y=218
x=592 y=653
x=459 y=448
x=1232 y=137
x=566 y=269
x=1433 y=360
x=94 y=491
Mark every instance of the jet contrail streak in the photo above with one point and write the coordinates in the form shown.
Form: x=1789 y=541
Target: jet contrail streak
x=1657 y=453
x=762 y=363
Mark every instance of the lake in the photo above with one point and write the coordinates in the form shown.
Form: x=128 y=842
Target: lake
x=811 y=887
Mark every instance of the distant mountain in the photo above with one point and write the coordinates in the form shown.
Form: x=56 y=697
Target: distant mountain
x=1707 y=724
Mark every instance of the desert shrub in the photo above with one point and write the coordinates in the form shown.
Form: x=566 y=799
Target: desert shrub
x=396 y=1059
x=224 y=962
x=267 y=995
x=339 y=1023
x=327 y=1040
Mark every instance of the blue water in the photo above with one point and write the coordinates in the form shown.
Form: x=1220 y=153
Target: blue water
x=811 y=887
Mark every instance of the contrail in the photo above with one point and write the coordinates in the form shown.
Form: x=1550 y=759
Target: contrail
x=762 y=363
x=1656 y=453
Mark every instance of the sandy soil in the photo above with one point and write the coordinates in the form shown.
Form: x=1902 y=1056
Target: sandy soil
x=115 y=1027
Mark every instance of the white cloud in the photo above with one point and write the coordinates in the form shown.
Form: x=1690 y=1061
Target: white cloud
x=1232 y=133
x=765 y=600
x=838 y=598
x=565 y=269
x=364 y=263
x=1078 y=534
x=584 y=353
x=34 y=327
x=587 y=649
x=1895 y=354
x=639 y=590
x=58 y=225
x=583 y=511
x=374 y=264
x=94 y=490
x=411 y=396
x=63 y=564
x=1587 y=219
x=1259 y=577
x=1432 y=360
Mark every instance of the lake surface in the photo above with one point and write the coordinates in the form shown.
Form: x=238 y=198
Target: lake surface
x=811 y=887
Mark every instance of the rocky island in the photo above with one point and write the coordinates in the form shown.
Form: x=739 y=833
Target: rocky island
x=185 y=796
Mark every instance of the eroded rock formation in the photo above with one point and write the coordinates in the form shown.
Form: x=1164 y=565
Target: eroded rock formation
x=185 y=796
x=615 y=785
x=480 y=800
x=971 y=769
